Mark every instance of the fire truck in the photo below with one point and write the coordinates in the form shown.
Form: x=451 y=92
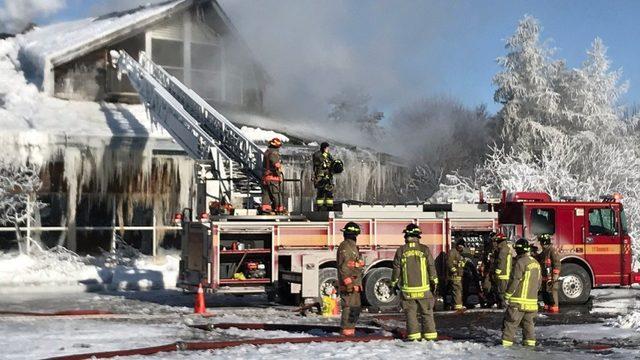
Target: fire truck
x=294 y=257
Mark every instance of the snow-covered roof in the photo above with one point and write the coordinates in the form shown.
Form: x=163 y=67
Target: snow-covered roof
x=51 y=45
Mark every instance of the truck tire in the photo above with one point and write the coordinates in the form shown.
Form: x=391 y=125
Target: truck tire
x=377 y=289
x=327 y=282
x=575 y=286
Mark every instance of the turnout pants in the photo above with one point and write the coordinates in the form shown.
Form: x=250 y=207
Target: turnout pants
x=514 y=318
x=550 y=293
x=456 y=293
x=350 y=304
x=324 y=195
x=420 y=323
x=272 y=198
x=501 y=289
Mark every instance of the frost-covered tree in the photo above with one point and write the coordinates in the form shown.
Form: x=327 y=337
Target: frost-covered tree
x=351 y=107
x=525 y=86
x=589 y=96
x=18 y=185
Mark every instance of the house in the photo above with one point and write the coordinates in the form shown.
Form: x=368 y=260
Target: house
x=107 y=170
x=193 y=40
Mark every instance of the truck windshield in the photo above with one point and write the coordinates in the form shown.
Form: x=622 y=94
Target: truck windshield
x=623 y=222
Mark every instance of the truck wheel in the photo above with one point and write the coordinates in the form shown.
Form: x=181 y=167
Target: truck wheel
x=575 y=286
x=377 y=289
x=327 y=282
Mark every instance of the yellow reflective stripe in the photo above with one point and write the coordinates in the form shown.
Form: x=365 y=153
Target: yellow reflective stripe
x=529 y=343
x=414 y=336
x=457 y=307
x=525 y=283
x=423 y=271
x=507 y=296
x=435 y=280
x=404 y=271
x=498 y=271
x=508 y=269
x=507 y=343
x=415 y=288
x=319 y=201
x=430 y=336
x=329 y=201
x=456 y=278
x=517 y=300
x=503 y=277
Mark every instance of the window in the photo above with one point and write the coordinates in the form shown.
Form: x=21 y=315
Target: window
x=602 y=222
x=543 y=221
x=167 y=53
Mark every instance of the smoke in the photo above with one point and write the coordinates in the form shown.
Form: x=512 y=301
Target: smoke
x=15 y=15
x=314 y=49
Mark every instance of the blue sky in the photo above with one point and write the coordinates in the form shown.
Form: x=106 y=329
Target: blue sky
x=420 y=48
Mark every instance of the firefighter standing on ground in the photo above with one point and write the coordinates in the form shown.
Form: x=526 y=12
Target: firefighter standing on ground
x=455 y=268
x=272 y=178
x=502 y=269
x=415 y=274
x=522 y=297
x=550 y=263
x=324 y=167
x=350 y=273
x=488 y=265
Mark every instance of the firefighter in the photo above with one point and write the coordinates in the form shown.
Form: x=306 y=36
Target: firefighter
x=550 y=263
x=455 y=267
x=522 y=297
x=323 y=178
x=414 y=272
x=350 y=273
x=488 y=263
x=502 y=269
x=272 y=197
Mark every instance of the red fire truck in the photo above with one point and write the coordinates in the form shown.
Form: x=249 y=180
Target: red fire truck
x=295 y=256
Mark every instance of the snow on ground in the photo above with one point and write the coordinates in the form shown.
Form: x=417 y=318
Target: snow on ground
x=48 y=270
x=259 y=135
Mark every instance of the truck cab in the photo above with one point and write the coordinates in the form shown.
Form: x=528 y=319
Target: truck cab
x=591 y=237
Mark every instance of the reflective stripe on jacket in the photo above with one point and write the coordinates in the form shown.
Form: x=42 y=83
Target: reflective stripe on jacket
x=414 y=270
x=455 y=265
x=503 y=262
x=522 y=290
x=271 y=166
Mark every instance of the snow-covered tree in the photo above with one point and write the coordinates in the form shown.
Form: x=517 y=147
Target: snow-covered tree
x=18 y=185
x=525 y=86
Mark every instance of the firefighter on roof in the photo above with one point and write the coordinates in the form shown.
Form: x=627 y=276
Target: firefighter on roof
x=522 y=297
x=502 y=269
x=415 y=274
x=324 y=167
x=455 y=267
x=550 y=263
x=272 y=178
x=350 y=273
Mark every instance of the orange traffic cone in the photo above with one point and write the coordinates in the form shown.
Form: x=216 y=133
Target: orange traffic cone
x=200 y=307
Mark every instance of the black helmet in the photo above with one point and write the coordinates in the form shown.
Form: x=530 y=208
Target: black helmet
x=324 y=145
x=522 y=246
x=545 y=239
x=351 y=230
x=412 y=230
x=337 y=167
x=460 y=242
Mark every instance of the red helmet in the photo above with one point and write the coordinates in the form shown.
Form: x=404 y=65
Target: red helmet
x=275 y=142
x=500 y=236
